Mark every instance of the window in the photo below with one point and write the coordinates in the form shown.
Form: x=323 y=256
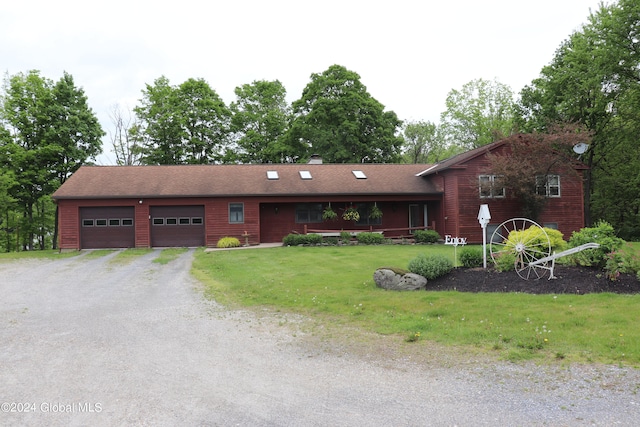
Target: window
x=184 y=221
x=308 y=212
x=158 y=221
x=101 y=222
x=365 y=210
x=490 y=186
x=87 y=223
x=305 y=174
x=548 y=185
x=359 y=174
x=272 y=175
x=171 y=221
x=236 y=213
x=114 y=222
x=196 y=221
x=127 y=222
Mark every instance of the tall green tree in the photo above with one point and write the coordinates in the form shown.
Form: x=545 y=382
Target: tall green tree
x=481 y=112
x=423 y=143
x=592 y=79
x=52 y=133
x=181 y=125
x=260 y=119
x=338 y=119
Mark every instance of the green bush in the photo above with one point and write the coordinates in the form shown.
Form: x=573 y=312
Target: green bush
x=556 y=239
x=228 y=242
x=506 y=262
x=604 y=234
x=367 y=238
x=471 y=257
x=430 y=267
x=333 y=241
x=426 y=236
x=345 y=236
x=302 y=239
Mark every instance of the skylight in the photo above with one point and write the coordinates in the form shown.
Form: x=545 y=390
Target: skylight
x=305 y=174
x=272 y=175
x=359 y=174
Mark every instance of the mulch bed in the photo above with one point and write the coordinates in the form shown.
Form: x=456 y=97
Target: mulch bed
x=570 y=280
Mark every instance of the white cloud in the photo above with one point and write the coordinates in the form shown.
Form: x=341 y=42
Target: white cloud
x=409 y=53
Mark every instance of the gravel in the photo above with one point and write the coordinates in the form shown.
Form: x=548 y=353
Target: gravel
x=97 y=341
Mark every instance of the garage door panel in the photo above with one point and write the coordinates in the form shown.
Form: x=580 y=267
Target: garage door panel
x=177 y=226
x=107 y=227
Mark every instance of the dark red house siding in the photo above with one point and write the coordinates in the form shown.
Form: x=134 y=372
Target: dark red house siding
x=462 y=202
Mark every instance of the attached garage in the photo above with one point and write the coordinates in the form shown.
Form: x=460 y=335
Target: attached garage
x=107 y=227
x=177 y=226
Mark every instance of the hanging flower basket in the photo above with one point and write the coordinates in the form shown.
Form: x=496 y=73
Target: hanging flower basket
x=351 y=214
x=329 y=214
x=375 y=212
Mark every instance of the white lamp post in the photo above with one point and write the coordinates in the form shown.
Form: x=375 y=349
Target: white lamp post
x=484 y=216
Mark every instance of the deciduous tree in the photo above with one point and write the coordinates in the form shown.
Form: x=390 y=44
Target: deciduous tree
x=181 y=125
x=478 y=114
x=260 y=119
x=423 y=143
x=338 y=119
x=592 y=79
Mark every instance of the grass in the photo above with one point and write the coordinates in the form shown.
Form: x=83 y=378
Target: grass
x=335 y=284
x=168 y=255
x=47 y=254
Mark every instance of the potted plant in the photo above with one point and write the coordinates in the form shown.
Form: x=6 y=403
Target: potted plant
x=375 y=212
x=351 y=214
x=329 y=214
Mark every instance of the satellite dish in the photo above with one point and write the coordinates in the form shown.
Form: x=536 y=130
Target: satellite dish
x=580 y=148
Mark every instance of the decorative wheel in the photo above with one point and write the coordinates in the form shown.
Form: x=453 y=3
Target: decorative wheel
x=526 y=243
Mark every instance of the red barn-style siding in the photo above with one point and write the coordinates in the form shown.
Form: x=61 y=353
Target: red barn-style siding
x=462 y=197
x=443 y=196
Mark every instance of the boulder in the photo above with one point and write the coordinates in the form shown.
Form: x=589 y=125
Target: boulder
x=386 y=278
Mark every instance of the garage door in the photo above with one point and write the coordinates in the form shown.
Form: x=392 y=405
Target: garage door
x=177 y=226
x=107 y=227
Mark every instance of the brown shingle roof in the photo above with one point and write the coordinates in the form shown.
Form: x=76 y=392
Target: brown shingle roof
x=243 y=180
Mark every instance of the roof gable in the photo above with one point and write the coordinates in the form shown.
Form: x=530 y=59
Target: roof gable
x=460 y=159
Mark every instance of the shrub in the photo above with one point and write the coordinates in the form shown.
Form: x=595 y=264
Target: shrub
x=301 y=239
x=430 y=267
x=333 y=241
x=370 y=238
x=506 y=262
x=345 y=236
x=603 y=234
x=556 y=239
x=471 y=257
x=426 y=236
x=228 y=242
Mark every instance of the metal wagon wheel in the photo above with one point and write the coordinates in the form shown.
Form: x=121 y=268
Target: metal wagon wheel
x=525 y=241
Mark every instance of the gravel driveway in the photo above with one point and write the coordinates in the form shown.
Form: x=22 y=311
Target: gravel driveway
x=89 y=341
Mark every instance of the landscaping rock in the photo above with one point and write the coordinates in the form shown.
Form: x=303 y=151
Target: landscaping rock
x=388 y=279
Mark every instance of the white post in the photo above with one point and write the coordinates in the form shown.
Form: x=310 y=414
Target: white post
x=484 y=216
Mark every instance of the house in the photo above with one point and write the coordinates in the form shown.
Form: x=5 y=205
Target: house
x=196 y=205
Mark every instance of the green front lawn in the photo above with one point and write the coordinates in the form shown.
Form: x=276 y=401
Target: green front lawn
x=335 y=284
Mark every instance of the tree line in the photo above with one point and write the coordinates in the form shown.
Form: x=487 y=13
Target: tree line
x=591 y=86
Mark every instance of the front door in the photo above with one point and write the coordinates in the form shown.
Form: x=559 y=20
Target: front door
x=417 y=216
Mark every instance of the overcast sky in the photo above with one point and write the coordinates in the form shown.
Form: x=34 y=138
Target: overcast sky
x=408 y=53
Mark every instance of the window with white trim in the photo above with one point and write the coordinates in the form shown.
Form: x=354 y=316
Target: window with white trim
x=548 y=185
x=236 y=213
x=490 y=186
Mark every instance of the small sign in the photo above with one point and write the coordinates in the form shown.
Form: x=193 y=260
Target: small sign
x=455 y=241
